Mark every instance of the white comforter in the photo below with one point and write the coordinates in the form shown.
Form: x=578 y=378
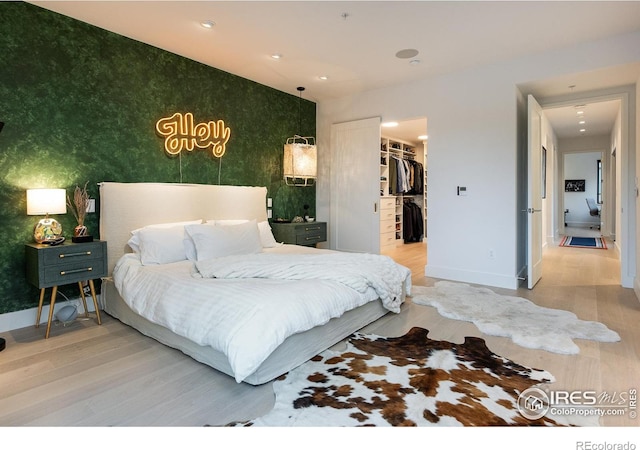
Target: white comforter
x=248 y=318
x=360 y=272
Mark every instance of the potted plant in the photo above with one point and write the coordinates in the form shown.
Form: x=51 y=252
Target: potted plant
x=79 y=207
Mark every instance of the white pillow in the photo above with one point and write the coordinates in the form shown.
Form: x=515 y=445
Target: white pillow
x=161 y=245
x=134 y=241
x=266 y=235
x=217 y=241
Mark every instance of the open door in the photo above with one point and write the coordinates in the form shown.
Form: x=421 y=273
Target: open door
x=534 y=196
x=355 y=186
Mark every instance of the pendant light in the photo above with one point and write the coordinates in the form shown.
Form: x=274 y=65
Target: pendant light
x=300 y=156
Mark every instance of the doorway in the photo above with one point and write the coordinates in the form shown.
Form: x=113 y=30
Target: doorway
x=613 y=182
x=403 y=189
x=582 y=196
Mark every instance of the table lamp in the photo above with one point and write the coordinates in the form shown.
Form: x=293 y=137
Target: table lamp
x=47 y=201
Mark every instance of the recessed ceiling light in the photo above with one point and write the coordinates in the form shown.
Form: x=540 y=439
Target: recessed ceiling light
x=276 y=56
x=407 y=53
x=414 y=62
x=423 y=137
x=390 y=124
x=582 y=122
x=582 y=130
x=323 y=77
x=580 y=113
x=207 y=23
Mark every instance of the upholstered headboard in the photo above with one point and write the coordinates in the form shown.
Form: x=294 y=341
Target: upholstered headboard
x=127 y=206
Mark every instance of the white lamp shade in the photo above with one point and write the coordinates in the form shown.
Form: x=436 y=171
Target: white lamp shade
x=300 y=161
x=46 y=201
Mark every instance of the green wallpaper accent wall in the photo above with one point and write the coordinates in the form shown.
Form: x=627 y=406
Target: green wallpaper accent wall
x=80 y=104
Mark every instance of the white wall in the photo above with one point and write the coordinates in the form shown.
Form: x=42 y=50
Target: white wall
x=635 y=193
x=581 y=166
x=475 y=140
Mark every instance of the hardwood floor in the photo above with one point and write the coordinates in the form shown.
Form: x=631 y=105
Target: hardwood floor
x=111 y=375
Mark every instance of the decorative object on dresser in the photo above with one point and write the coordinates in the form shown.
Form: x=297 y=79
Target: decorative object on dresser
x=410 y=381
x=79 y=207
x=300 y=157
x=300 y=233
x=45 y=202
x=50 y=267
x=527 y=324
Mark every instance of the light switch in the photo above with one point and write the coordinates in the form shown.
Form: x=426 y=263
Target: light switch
x=462 y=190
x=269 y=202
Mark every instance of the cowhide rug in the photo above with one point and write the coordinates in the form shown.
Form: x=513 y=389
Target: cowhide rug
x=405 y=381
x=526 y=323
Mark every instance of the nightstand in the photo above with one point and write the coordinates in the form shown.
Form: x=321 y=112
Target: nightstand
x=300 y=233
x=53 y=266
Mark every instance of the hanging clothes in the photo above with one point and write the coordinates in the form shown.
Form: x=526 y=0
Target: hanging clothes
x=412 y=223
x=402 y=175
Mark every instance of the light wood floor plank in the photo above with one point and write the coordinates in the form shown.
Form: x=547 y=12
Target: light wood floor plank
x=111 y=375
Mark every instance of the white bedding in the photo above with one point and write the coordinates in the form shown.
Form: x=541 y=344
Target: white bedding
x=244 y=318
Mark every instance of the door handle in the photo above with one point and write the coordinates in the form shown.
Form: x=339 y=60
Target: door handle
x=533 y=210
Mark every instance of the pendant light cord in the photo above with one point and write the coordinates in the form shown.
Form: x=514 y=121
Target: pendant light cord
x=300 y=89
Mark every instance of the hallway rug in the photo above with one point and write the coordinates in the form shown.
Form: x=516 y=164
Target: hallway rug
x=584 y=242
x=412 y=381
x=527 y=324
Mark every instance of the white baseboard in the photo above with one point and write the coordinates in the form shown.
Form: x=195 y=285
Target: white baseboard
x=483 y=278
x=27 y=317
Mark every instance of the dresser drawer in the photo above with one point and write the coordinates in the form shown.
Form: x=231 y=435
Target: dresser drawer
x=387 y=214
x=388 y=239
x=387 y=226
x=387 y=203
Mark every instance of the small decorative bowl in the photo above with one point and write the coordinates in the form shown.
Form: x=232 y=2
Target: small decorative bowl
x=310 y=219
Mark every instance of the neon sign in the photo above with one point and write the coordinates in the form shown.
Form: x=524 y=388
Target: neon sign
x=180 y=133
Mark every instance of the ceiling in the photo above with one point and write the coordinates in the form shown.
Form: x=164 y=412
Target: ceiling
x=354 y=43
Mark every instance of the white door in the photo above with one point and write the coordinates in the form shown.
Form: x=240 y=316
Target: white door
x=534 y=199
x=355 y=186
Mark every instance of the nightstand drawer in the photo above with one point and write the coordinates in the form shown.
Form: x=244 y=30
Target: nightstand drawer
x=300 y=233
x=79 y=252
x=74 y=271
x=49 y=266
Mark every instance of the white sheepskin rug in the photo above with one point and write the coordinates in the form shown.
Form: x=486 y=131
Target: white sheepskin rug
x=527 y=324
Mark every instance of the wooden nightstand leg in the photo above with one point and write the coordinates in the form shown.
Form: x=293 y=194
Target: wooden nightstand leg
x=53 y=302
x=40 y=307
x=84 y=299
x=95 y=301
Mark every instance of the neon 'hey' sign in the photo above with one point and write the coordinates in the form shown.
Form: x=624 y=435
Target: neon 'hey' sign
x=180 y=133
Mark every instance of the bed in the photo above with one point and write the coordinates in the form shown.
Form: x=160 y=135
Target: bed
x=196 y=268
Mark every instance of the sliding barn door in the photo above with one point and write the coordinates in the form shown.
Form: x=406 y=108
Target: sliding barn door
x=355 y=186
